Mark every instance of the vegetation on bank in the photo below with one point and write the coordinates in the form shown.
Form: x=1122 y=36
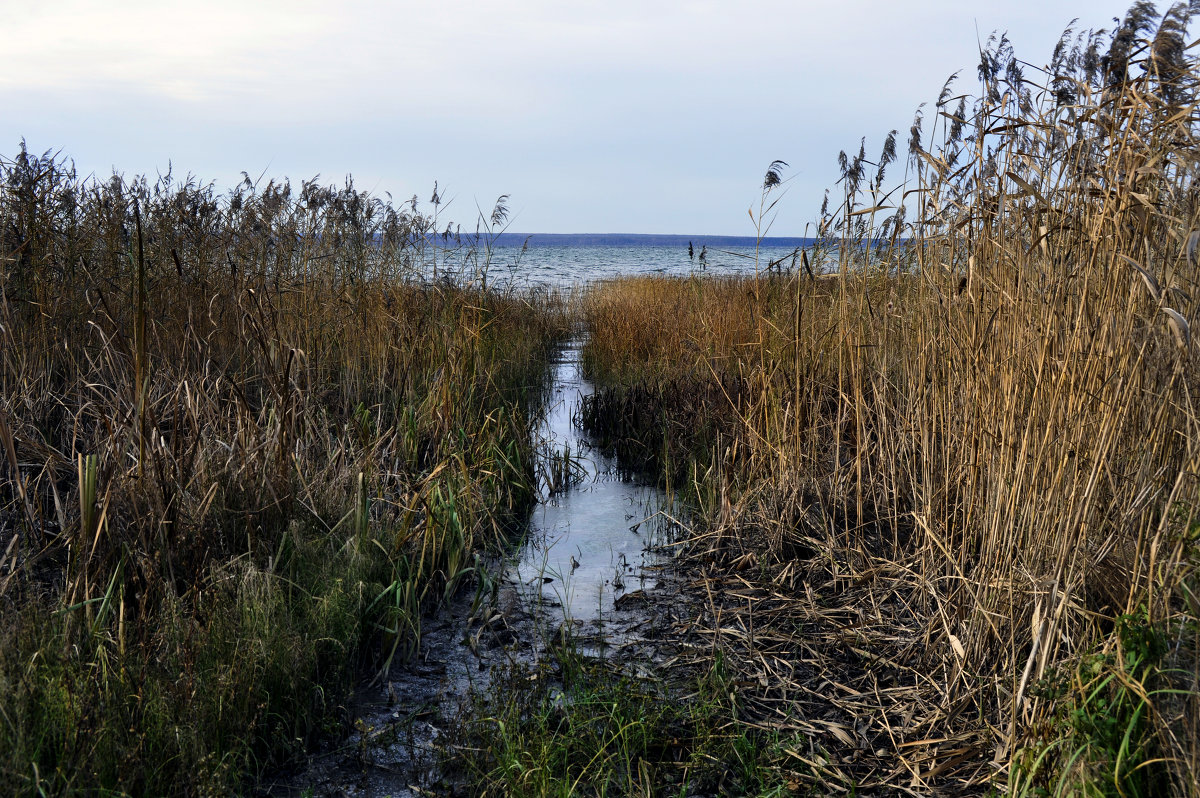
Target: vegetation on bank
x=244 y=444
x=945 y=501
x=577 y=725
x=948 y=497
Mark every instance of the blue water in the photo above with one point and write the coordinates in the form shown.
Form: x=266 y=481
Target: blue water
x=569 y=264
x=569 y=260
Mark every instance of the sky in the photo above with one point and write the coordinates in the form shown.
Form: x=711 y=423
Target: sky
x=634 y=116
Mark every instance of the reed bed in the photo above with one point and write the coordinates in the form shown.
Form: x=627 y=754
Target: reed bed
x=245 y=444
x=948 y=497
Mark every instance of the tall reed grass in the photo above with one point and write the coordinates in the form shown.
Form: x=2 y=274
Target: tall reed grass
x=245 y=444
x=951 y=493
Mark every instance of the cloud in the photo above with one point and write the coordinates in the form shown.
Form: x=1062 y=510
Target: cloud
x=186 y=52
x=574 y=106
x=451 y=58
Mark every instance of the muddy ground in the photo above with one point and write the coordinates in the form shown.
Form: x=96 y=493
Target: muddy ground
x=402 y=742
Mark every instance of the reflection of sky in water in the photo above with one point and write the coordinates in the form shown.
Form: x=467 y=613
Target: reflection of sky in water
x=582 y=539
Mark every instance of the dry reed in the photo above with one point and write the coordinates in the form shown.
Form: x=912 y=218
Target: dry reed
x=245 y=441
x=950 y=510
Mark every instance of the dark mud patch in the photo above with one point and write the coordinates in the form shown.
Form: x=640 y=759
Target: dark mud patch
x=406 y=727
x=590 y=579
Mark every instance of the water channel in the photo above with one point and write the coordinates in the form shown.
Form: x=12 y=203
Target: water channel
x=589 y=563
x=595 y=541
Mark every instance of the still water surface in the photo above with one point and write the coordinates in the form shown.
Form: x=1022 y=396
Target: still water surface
x=591 y=543
x=595 y=541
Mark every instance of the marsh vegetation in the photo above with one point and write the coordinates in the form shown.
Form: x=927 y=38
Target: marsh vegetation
x=946 y=499
x=246 y=445
x=943 y=500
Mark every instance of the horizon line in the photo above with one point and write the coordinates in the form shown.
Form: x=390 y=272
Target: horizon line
x=693 y=236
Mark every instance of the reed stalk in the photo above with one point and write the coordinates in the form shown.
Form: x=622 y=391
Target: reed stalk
x=247 y=446
x=956 y=483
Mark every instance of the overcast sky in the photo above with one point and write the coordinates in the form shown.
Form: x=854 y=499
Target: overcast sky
x=613 y=116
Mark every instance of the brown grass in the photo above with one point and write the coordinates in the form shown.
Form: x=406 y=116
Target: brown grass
x=952 y=503
x=244 y=445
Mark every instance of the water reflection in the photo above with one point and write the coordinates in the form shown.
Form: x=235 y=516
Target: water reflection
x=589 y=543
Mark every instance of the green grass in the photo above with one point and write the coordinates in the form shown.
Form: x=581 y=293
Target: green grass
x=1101 y=739
x=246 y=446
x=579 y=726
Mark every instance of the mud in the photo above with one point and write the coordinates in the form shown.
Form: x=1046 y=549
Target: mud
x=592 y=572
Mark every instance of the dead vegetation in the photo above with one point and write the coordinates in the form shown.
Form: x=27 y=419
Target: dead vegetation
x=244 y=443
x=950 y=496
x=946 y=499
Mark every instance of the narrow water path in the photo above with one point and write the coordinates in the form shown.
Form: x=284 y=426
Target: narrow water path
x=592 y=539
x=588 y=558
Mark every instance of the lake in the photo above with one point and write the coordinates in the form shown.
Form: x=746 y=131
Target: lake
x=562 y=260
